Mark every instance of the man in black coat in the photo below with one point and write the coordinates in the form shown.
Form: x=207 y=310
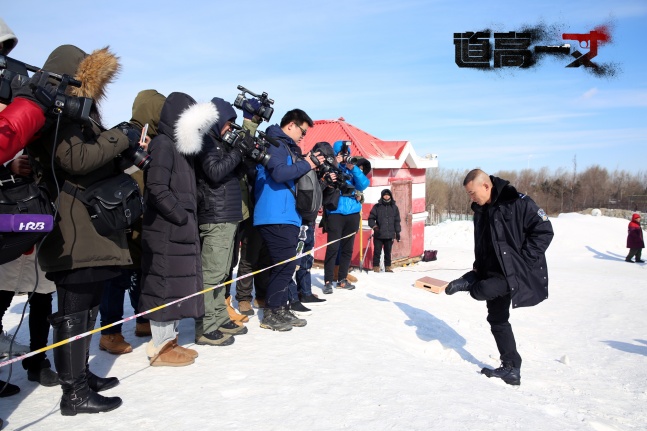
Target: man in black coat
x=384 y=219
x=511 y=235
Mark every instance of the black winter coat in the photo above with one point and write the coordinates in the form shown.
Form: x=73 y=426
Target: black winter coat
x=219 y=195
x=520 y=232
x=171 y=263
x=386 y=216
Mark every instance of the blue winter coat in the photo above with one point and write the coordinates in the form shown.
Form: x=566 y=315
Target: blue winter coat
x=348 y=204
x=275 y=203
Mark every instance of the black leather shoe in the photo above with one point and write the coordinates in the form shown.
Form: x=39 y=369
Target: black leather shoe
x=44 y=376
x=505 y=372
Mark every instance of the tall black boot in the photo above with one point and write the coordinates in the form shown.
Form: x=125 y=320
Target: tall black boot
x=70 y=360
x=96 y=383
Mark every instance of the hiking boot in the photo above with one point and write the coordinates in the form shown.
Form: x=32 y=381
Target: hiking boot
x=232 y=328
x=167 y=355
x=505 y=372
x=143 y=329
x=115 y=344
x=327 y=289
x=273 y=320
x=290 y=318
x=299 y=309
x=9 y=390
x=345 y=284
x=376 y=268
x=311 y=299
x=17 y=349
x=215 y=338
x=245 y=308
x=189 y=352
x=388 y=269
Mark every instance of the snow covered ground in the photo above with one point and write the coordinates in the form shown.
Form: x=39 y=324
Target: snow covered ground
x=388 y=356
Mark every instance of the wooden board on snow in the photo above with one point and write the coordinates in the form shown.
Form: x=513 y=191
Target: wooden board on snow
x=431 y=284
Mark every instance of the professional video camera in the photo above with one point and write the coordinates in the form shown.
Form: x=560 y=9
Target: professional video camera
x=264 y=111
x=75 y=108
x=258 y=153
x=328 y=167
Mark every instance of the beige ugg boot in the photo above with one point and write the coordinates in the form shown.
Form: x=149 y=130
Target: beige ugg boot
x=167 y=355
x=115 y=344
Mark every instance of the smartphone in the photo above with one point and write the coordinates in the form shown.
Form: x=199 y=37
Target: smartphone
x=142 y=138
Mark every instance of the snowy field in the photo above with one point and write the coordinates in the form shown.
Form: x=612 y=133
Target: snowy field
x=388 y=356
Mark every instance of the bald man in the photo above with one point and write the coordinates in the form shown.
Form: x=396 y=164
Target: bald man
x=511 y=235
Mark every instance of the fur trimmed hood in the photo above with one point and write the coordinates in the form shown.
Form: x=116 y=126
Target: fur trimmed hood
x=186 y=122
x=95 y=70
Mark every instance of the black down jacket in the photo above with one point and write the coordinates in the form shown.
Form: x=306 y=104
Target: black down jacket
x=386 y=216
x=521 y=233
x=219 y=195
x=171 y=264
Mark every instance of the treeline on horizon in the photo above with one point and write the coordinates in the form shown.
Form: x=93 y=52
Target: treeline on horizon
x=560 y=191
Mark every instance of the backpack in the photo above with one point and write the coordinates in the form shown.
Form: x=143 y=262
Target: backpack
x=307 y=193
x=27 y=210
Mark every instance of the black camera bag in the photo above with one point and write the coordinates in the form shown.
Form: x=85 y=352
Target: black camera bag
x=114 y=203
x=20 y=195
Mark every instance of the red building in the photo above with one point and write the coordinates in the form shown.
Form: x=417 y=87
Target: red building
x=395 y=166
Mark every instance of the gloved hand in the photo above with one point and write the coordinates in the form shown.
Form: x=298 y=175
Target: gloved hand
x=38 y=89
x=376 y=228
x=244 y=144
x=250 y=106
x=397 y=236
x=131 y=131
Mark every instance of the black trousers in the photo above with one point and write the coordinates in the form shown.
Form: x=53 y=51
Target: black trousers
x=40 y=307
x=281 y=242
x=339 y=226
x=496 y=292
x=378 y=244
x=253 y=256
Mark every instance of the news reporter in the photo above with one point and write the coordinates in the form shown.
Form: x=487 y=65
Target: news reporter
x=75 y=256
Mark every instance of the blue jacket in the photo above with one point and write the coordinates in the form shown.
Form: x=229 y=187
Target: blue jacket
x=348 y=204
x=275 y=203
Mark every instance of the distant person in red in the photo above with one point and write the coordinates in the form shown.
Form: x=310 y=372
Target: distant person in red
x=635 y=241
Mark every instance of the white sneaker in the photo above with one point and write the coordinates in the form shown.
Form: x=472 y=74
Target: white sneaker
x=17 y=349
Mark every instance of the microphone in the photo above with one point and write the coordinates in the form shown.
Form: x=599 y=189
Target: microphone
x=26 y=223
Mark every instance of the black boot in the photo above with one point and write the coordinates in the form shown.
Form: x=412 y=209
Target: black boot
x=506 y=372
x=96 y=383
x=462 y=284
x=70 y=360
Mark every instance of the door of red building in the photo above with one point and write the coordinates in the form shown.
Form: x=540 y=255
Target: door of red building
x=402 y=192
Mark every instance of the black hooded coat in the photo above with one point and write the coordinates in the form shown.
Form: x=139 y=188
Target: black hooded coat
x=520 y=233
x=171 y=264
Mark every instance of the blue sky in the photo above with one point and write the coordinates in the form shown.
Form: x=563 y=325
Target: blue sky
x=387 y=67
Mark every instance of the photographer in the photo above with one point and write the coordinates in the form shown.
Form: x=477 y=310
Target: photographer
x=75 y=256
x=219 y=212
x=276 y=216
x=343 y=220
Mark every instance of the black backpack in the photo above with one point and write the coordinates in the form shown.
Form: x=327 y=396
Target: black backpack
x=307 y=192
x=20 y=195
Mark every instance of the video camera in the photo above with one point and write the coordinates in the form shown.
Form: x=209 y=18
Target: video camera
x=75 y=108
x=259 y=151
x=329 y=166
x=264 y=111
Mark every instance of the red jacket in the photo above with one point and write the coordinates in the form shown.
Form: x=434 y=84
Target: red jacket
x=18 y=124
x=635 y=236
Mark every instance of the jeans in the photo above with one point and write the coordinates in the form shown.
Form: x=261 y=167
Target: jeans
x=281 y=241
x=111 y=308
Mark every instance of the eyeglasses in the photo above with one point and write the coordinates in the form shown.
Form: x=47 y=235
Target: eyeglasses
x=303 y=131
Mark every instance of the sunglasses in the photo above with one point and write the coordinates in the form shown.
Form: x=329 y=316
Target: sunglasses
x=303 y=131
